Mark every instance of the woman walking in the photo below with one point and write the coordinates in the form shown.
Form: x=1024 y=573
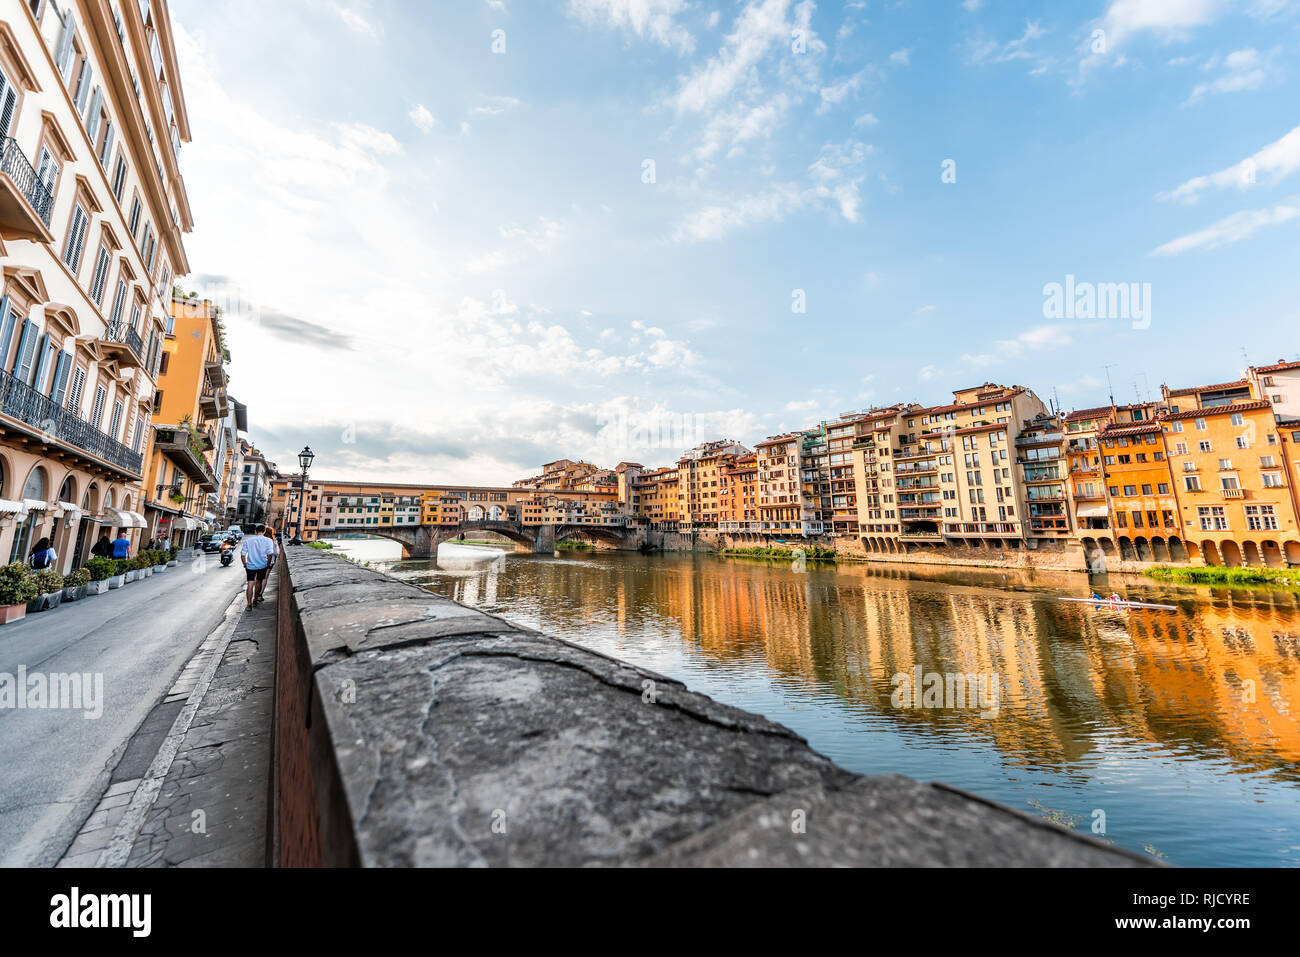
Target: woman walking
x=42 y=556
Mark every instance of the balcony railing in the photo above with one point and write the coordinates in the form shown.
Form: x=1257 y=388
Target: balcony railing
x=15 y=165
x=123 y=334
x=20 y=401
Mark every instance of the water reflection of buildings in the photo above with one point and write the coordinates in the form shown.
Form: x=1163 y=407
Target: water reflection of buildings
x=1075 y=680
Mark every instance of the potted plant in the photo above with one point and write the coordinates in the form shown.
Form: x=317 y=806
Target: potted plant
x=49 y=590
x=172 y=552
x=100 y=570
x=159 y=559
x=75 y=585
x=144 y=565
x=118 y=578
x=17 y=588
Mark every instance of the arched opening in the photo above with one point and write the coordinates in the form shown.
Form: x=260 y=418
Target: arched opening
x=25 y=535
x=1210 y=553
x=1272 y=553
x=1177 y=550
x=475 y=514
x=1231 y=554
x=1142 y=548
x=1107 y=547
x=1293 y=553
x=1250 y=554
x=1126 y=550
x=1159 y=552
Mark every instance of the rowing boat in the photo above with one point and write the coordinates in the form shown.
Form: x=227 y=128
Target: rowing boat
x=1108 y=603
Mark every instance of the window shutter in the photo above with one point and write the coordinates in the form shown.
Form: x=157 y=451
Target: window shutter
x=83 y=86
x=46 y=352
x=63 y=52
x=60 y=390
x=97 y=409
x=92 y=116
x=8 y=102
x=107 y=152
x=78 y=389
x=119 y=304
x=116 y=421
x=7 y=323
x=26 y=347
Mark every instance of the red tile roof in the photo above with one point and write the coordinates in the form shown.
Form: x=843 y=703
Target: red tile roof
x=1280 y=366
x=1252 y=406
x=1211 y=388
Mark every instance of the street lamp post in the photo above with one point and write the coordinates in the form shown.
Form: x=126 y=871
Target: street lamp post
x=305 y=458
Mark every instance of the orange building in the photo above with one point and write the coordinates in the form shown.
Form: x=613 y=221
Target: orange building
x=1235 y=504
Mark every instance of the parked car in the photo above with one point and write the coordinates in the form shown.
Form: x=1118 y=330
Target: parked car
x=211 y=542
x=235 y=530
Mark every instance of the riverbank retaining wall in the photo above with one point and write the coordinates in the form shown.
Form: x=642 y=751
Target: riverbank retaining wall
x=411 y=730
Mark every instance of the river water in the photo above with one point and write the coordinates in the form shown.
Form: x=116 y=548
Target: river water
x=1174 y=733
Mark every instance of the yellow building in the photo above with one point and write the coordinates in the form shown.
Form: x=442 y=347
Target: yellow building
x=191 y=445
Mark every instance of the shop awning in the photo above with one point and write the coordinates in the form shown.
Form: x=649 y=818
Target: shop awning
x=118 y=518
x=137 y=520
x=35 y=505
x=184 y=524
x=1092 y=511
x=70 y=511
x=8 y=507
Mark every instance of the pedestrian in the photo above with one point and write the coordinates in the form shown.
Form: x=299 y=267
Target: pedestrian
x=103 y=548
x=256 y=554
x=43 y=555
x=121 y=545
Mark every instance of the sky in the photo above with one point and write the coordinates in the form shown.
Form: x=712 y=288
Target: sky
x=456 y=239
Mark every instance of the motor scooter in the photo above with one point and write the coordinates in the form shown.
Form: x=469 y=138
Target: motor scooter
x=227 y=555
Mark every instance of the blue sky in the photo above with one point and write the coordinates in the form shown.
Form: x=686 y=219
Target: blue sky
x=444 y=256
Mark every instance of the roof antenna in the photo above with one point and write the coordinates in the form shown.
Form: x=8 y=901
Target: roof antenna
x=1110 y=389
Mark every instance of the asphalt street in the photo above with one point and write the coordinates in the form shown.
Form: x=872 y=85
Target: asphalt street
x=57 y=762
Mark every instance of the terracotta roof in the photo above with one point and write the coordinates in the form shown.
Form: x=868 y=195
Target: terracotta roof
x=1211 y=388
x=1252 y=406
x=1088 y=413
x=1280 y=366
x=1144 y=428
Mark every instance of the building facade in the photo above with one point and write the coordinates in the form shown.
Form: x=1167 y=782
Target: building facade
x=92 y=213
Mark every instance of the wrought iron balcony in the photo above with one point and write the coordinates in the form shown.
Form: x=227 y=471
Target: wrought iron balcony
x=20 y=401
x=120 y=334
x=25 y=202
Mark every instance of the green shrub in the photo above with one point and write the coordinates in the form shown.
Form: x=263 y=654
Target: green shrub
x=47 y=581
x=121 y=566
x=321 y=546
x=17 y=584
x=76 y=579
x=101 y=569
x=1219 y=575
x=172 y=552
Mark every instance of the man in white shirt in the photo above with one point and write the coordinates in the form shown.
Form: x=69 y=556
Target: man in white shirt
x=258 y=553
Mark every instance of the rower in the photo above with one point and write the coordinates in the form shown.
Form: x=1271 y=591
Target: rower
x=1115 y=597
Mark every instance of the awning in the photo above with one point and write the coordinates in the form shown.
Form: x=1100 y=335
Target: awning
x=1093 y=511
x=70 y=511
x=8 y=507
x=137 y=520
x=35 y=505
x=184 y=524
x=115 y=519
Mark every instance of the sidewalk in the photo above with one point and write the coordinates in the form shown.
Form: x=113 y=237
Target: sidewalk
x=191 y=788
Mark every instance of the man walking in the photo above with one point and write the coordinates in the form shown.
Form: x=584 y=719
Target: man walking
x=121 y=545
x=257 y=553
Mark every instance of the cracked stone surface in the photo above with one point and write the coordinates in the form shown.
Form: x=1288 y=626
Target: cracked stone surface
x=459 y=740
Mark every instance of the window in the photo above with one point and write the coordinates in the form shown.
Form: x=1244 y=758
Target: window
x=97 y=408
x=1261 y=518
x=1177 y=427
x=76 y=239
x=1180 y=448
x=74 y=394
x=1243 y=442
x=1225 y=465
x=1163 y=488
x=1130 y=490
x=119 y=304
x=1238 y=419
x=1192 y=483
x=116 y=421
x=119 y=176
x=1272 y=479
x=1212 y=518
x=133 y=223
x=1205 y=446
x=1200 y=425
x=1228 y=482
x=99 y=279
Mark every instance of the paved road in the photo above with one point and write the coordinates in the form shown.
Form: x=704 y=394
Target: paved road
x=56 y=763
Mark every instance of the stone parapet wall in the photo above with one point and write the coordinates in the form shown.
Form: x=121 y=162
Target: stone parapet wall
x=412 y=730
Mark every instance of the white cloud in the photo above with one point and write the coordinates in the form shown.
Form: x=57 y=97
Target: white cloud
x=355 y=15
x=648 y=19
x=1037 y=339
x=496 y=105
x=1277 y=161
x=930 y=372
x=1231 y=229
x=866 y=119
x=901 y=57
x=1241 y=70
x=422 y=118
